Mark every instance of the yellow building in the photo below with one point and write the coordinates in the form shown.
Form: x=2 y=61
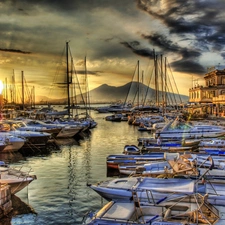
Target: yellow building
x=211 y=97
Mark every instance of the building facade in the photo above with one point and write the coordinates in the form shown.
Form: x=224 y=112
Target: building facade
x=210 y=98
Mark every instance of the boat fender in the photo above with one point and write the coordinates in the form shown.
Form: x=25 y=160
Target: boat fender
x=153 y=218
x=167 y=213
x=161 y=200
x=212 y=163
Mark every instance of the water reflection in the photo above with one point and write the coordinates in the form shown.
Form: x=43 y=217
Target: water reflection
x=11 y=157
x=60 y=195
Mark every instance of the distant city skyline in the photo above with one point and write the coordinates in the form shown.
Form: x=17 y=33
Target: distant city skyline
x=113 y=35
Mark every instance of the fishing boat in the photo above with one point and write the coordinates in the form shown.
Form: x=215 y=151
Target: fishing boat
x=193 y=209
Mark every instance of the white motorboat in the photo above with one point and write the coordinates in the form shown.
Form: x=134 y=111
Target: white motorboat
x=69 y=129
x=17 y=179
x=34 y=138
x=194 y=209
x=178 y=130
x=12 y=143
x=147 y=188
x=36 y=125
x=114 y=108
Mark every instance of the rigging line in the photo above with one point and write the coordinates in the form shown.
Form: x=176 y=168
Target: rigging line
x=148 y=86
x=58 y=65
x=175 y=83
x=87 y=89
x=172 y=94
x=148 y=83
x=130 y=85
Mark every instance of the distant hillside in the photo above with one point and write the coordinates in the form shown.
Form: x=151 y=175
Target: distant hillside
x=127 y=92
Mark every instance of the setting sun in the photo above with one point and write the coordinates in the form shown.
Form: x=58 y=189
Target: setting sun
x=1 y=87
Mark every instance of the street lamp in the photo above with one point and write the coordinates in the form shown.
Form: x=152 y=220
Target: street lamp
x=1 y=99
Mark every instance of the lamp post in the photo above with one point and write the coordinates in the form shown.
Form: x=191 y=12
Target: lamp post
x=1 y=99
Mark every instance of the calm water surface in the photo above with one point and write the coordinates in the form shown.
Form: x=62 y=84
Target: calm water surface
x=60 y=195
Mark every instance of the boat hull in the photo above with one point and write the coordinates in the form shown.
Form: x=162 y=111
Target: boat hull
x=18 y=184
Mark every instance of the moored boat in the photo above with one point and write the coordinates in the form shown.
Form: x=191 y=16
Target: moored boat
x=17 y=179
x=193 y=209
x=12 y=143
x=180 y=129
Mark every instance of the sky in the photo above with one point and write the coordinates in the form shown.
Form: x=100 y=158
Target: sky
x=113 y=35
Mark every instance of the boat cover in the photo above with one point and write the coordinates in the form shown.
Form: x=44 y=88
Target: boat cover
x=155 y=184
x=121 y=210
x=167 y=185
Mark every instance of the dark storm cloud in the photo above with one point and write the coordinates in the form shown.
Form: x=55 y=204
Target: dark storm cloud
x=166 y=46
x=14 y=50
x=68 y=6
x=200 y=22
x=136 y=48
x=188 y=66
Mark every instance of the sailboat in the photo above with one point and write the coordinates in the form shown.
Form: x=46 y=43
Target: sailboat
x=71 y=120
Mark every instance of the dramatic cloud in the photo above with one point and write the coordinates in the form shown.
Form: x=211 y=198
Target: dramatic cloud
x=113 y=35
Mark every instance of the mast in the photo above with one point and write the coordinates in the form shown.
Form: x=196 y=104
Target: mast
x=22 y=89
x=67 y=78
x=33 y=96
x=14 y=99
x=156 y=79
x=138 y=84
x=88 y=111
x=165 y=84
x=162 y=84
x=6 y=90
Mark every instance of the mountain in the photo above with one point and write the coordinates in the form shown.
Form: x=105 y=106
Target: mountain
x=127 y=92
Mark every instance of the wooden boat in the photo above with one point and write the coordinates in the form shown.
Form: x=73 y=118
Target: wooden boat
x=193 y=210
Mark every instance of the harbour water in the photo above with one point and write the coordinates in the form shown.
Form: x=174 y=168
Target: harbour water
x=60 y=195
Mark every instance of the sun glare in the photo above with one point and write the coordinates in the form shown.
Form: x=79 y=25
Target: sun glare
x=1 y=87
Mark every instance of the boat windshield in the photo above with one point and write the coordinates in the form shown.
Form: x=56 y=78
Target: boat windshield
x=179 y=126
